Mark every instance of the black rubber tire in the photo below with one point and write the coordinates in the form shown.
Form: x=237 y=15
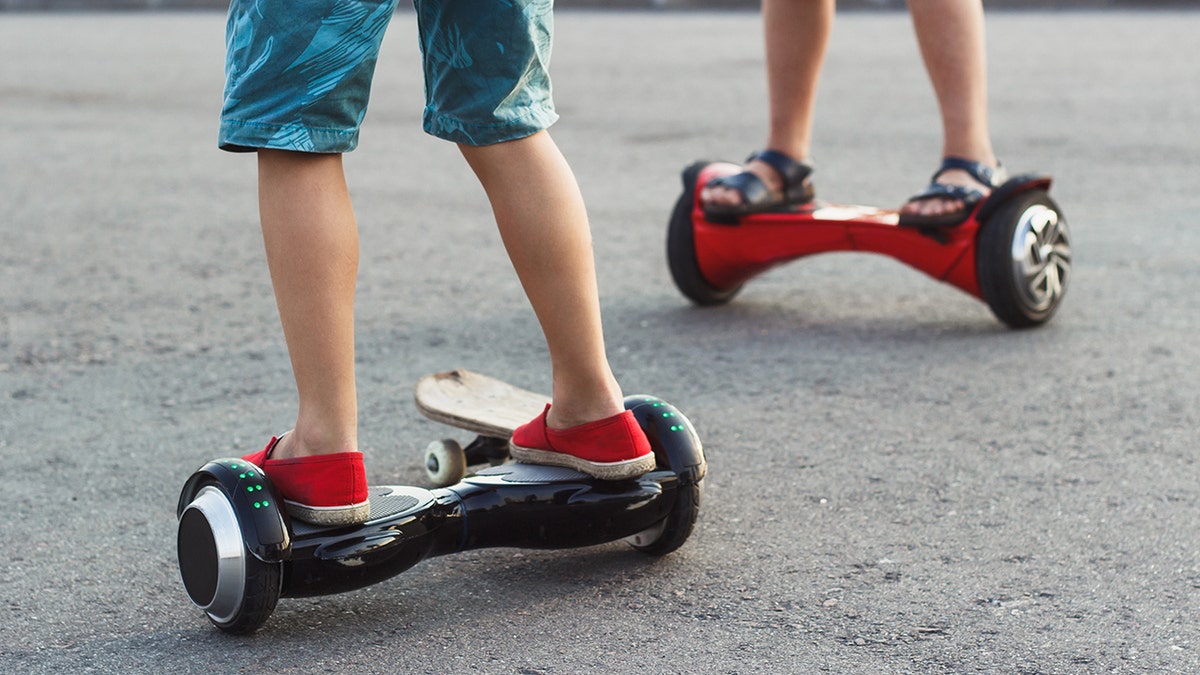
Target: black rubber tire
x=681 y=250
x=679 y=524
x=998 y=281
x=258 y=600
x=259 y=594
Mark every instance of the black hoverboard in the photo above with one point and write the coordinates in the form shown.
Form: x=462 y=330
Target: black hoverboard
x=239 y=552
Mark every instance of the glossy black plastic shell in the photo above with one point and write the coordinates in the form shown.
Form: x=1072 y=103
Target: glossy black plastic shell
x=674 y=440
x=264 y=527
x=326 y=561
x=561 y=514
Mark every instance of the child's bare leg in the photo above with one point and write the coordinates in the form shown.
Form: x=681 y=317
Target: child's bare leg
x=796 y=34
x=544 y=226
x=951 y=36
x=312 y=250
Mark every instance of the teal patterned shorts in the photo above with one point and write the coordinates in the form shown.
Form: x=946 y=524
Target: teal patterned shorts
x=298 y=72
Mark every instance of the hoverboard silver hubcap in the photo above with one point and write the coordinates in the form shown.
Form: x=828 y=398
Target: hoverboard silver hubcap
x=212 y=558
x=1041 y=257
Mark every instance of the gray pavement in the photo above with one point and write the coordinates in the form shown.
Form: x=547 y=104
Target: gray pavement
x=897 y=483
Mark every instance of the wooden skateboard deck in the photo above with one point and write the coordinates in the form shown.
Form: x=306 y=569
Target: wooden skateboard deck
x=476 y=403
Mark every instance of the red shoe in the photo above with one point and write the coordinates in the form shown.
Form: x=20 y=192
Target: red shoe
x=614 y=448
x=326 y=490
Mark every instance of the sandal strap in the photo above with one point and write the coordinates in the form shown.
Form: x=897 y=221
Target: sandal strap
x=749 y=186
x=756 y=196
x=793 y=173
x=963 y=193
x=977 y=170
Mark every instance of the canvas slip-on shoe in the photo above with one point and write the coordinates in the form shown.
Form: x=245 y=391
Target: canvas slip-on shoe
x=328 y=490
x=614 y=448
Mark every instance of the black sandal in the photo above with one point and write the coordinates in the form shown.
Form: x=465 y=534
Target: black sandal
x=756 y=196
x=969 y=196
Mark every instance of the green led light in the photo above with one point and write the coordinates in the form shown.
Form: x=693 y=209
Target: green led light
x=250 y=489
x=258 y=487
x=676 y=427
x=241 y=475
x=256 y=505
x=233 y=466
x=266 y=503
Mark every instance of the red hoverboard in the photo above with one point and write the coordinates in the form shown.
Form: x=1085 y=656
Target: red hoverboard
x=1013 y=252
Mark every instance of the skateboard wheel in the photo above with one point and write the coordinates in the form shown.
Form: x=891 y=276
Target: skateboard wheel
x=445 y=462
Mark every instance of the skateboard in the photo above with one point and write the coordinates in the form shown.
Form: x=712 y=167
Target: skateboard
x=482 y=405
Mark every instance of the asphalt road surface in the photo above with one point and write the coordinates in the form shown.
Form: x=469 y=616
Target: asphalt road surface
x=897 y=484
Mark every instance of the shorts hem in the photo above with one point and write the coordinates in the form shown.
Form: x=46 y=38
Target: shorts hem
x=242 y=136
x=454 y=130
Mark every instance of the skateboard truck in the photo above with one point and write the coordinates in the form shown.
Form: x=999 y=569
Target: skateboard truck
x=483 y=405
x=239 y=552
x=1013 y=252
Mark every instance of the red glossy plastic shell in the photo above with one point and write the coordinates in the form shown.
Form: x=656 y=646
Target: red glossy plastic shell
x=728 y=255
